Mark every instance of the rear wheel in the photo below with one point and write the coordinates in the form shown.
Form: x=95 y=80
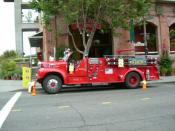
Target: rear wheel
x=132 y=80
x=52 y=84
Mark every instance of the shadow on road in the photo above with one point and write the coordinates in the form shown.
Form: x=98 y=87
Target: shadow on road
x=94 y=88
x=84 y=88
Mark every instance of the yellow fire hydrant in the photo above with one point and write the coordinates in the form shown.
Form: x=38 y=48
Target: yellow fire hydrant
x=144 y=86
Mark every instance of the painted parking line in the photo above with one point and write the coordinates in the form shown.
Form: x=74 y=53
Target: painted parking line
x=16 y=110
x=106 y=103
x=8 y=107
x=145 y=99
x=63 y=107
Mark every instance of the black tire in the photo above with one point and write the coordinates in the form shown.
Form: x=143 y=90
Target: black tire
x=42 y=86
x=52 y=84
x=132 y=80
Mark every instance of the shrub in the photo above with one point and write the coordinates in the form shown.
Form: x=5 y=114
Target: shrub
x=8 y=67
x=165 y=64
x=9 y=70
x=60 y=52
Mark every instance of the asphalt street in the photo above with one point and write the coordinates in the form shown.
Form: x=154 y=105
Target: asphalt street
x=89 y=109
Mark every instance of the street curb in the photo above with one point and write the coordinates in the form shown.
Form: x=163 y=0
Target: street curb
x=158 y=82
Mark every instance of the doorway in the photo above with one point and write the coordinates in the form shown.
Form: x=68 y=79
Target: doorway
x=101 y=45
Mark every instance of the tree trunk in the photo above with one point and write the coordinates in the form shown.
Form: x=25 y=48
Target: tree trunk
x=87 y=45
x=89 y=42
x=73 y=41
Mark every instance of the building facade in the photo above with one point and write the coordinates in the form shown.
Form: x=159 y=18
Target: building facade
x=160 y=32
x=160 y=27
x=26 y=24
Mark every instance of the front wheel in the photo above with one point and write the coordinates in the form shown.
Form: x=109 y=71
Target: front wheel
x=132 y=80
x=52 y=84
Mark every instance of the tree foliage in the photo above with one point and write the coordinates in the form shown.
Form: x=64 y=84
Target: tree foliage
x=9 y=54
x=110 y=14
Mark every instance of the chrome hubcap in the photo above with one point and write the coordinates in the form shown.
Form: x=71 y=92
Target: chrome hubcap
x=133 y=80
x=52 y=83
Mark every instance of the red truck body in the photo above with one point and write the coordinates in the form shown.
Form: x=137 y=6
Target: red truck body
x=110 y=69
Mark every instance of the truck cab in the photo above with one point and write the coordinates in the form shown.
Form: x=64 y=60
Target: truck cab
x=127 y=70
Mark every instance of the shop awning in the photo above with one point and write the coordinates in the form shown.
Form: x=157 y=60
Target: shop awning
x=36 y=40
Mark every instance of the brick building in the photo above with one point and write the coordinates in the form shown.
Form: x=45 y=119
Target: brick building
x=160 y=27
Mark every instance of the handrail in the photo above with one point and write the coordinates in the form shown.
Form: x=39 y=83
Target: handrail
x=124 y=50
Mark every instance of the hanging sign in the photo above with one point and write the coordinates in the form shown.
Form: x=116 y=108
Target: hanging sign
x=137 y=61
x=139 y=44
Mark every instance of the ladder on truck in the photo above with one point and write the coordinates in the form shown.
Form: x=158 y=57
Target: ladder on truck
x=129 y=60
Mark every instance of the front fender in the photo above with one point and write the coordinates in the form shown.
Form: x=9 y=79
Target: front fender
x=141 y=73
x=43 y=72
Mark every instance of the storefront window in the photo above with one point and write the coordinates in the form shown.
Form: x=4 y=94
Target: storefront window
x=151 y=38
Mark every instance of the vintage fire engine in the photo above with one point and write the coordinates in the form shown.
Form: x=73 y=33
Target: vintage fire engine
x=127 y=70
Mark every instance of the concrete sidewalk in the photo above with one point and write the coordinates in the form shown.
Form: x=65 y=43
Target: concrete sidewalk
x=164 y=79
x=12 y=85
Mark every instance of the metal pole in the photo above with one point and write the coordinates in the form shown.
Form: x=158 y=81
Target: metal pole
x=30 y=57
x=146 y=49
x=145 y=38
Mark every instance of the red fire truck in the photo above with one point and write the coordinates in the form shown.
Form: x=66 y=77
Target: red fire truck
x=127 y=70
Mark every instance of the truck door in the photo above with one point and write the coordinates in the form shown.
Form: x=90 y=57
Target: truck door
x=78 y=69
x=79 y=73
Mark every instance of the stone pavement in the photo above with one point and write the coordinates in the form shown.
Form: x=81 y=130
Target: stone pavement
x=12 y=85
